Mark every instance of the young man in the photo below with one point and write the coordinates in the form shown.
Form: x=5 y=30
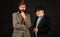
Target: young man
x=21 y=22
x=42 y=23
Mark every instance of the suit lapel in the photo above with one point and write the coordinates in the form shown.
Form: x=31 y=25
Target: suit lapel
x=19 y=18
x=35 y=21
x=41 y=19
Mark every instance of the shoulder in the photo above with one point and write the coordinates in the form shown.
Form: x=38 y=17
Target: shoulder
x=48 y=18
x=15 y=13
x=28 y=14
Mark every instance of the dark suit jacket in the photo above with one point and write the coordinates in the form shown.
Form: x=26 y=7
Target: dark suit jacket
x=44 y=25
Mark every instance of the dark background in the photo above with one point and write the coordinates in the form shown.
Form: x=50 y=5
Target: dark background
x=7 y=7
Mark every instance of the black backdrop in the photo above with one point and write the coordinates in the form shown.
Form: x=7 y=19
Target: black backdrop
x=7 y=7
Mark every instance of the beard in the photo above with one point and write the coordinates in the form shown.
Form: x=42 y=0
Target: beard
x=22 y=10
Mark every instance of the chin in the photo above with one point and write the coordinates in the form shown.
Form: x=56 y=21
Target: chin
x=38 y=15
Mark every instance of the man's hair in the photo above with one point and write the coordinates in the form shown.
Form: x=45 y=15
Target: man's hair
x=39 y=8
x=22 y=2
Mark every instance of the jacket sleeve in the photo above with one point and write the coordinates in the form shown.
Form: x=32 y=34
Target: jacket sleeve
x=28 y=21
x=16 y=24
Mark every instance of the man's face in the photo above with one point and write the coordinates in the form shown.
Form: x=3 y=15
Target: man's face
x=22 y=7
x=39 y=12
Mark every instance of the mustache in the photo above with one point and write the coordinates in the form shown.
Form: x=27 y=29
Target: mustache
x=22 y=10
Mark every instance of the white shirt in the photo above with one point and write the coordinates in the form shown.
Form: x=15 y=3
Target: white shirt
x=38 y=20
